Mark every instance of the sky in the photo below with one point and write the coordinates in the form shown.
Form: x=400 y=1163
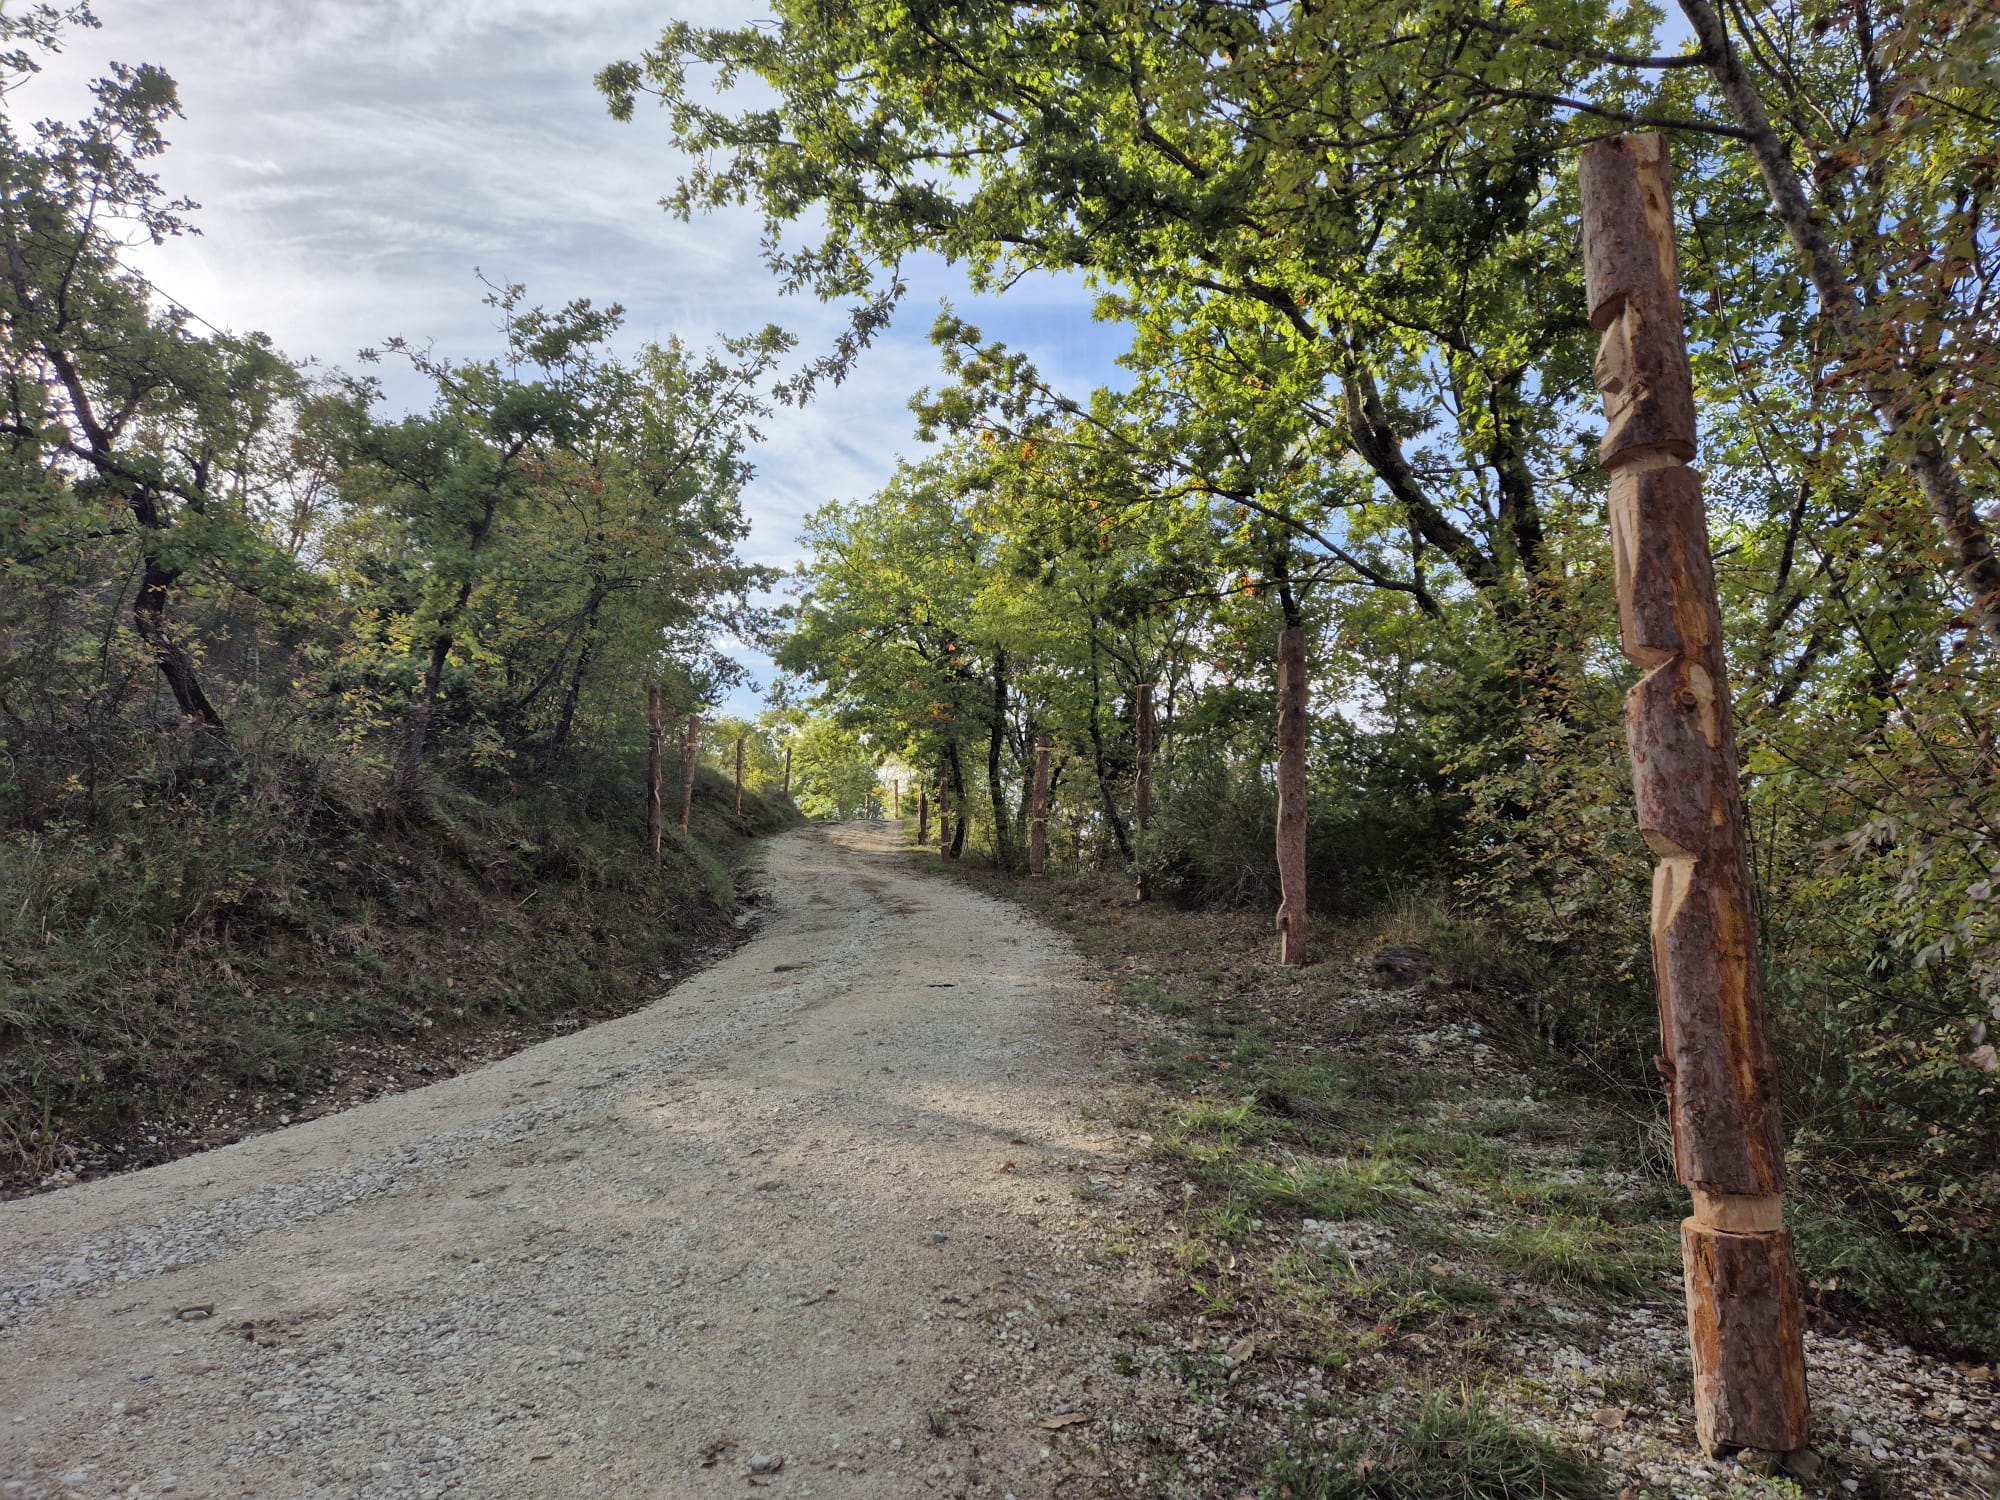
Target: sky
x=358 y=162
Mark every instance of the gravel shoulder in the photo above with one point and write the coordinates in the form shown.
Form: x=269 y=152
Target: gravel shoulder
x=806 y=1224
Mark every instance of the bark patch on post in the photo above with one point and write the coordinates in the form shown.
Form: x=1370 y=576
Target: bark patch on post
x=1293 y=926
x=1744 y=1314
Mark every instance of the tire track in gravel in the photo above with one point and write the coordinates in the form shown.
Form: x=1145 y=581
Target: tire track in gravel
x=809 y=1200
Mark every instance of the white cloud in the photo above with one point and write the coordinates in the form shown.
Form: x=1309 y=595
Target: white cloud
x=357 y=159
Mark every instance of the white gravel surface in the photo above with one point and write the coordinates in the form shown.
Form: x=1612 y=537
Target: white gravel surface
x=805 y=1226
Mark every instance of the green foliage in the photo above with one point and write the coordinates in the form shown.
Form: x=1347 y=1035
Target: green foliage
x=310 y=714
x=833 y=770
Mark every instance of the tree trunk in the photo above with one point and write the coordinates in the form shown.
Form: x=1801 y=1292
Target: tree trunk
x=996 y=742
x=573 y=690
x=1293 y=925
x=1142 y=780
x=417 y=729
x=1117 y=824
x=1744 y=1317
x=896 y=798
x=1910 y=420
x=944 y=805
x=1038 y=819
x=149 y=619
x=788 y=772
x=957 y=767
x=655 y=809
x=690 y=758
x=739 y=775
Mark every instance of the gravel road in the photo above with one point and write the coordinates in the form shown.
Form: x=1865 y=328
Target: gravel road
x=770 y=1234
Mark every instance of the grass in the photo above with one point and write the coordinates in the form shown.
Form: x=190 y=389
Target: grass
x=201 y=964
x=1458 y=1446
x=1486 y=1193
x=1583 y=1256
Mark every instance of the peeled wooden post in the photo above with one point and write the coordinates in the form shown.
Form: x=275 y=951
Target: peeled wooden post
x=1293 y=925
x=1142 y=782
x=689 y=755
x=1038 y=817
x=739 y=774
x=923 y=815
x=654 y=811
x=1745 y=1322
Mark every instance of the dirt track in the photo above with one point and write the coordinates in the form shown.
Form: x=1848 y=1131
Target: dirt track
x=810 y=1206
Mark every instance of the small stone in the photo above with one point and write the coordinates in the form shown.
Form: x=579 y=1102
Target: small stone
x=1804 y=1462
x=1861 y=1438
x=766 y=1463
x=937 y=1239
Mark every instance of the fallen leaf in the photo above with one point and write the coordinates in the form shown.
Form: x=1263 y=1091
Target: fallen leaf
x=1065 y=1419
x=1610 y=1418
x=1243 y=1348
x=1006 y=1166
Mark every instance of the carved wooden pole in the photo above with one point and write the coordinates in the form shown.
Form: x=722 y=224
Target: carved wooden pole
x=788 y=770
x=1293 y=926
x=1142 y=782
x=1038 y=816
x=923 y=815
x=689 y=754
x=654 y=806
x=1744 y=1315
x=739 y=774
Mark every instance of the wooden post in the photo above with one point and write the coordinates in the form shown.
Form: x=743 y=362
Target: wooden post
x=1142 y=782
x=896 y=798
x=923 y=815
x=689 y=754
x=868 y=804
x=739 y=775
x=1744 y=1317
x=1038 y=816
x=655 y=810
x=1293 y=926
x=788 y=771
